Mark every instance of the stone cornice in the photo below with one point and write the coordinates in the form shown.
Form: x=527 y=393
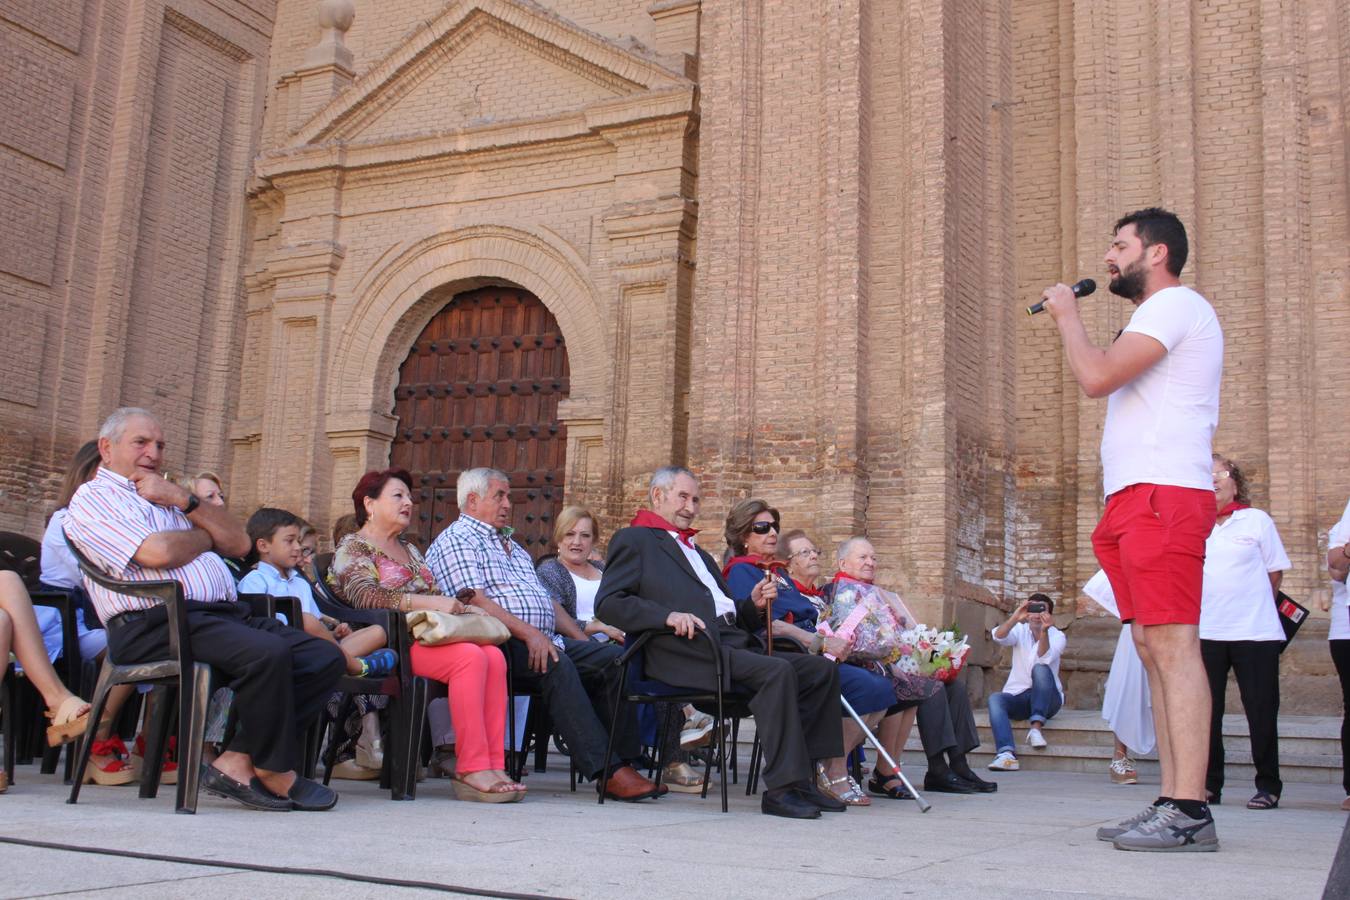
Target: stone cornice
x=619 y=68
x=602 y=120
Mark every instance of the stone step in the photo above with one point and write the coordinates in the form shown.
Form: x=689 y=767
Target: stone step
x=1080 y=741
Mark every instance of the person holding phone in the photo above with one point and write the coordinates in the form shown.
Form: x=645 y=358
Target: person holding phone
x=1033 y=690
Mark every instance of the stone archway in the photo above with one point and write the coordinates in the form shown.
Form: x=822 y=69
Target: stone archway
x=399 y=296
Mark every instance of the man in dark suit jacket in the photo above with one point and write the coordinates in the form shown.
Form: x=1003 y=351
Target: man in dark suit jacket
x=656 y=578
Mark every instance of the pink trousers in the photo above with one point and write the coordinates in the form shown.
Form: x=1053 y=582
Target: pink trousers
x=476 y=679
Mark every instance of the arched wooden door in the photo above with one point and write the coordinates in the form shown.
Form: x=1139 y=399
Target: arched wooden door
x=480 y=387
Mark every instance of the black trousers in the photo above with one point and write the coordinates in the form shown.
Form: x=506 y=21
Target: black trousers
x=1340 y=655
x=795 y=701
x=281 y=676
x=946 y=721
x=1256 y=664
x=582 y=718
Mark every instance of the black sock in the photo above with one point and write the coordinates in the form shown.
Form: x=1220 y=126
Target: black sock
x=1196 y=809
x=960 y=766
x=937 y=765
x=1161 y=800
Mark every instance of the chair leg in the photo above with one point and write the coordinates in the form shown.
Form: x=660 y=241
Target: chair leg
x=722 y=744
x=194 y=704
x=405 y=783
x=156 y=733
x=7 y=712
x=735 y=743
x=613 y=726
x=87 y=740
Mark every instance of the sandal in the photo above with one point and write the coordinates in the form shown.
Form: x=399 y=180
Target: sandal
x=888 y=786
x=69 y=720
x=116 y=771
x=852 y=794
x=1263 y=800
x=168 y=770
x=499 y=792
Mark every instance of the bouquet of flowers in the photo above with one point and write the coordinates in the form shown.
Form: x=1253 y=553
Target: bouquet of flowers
x=927 y=651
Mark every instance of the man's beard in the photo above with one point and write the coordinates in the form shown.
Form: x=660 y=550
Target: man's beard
x=1129 y=283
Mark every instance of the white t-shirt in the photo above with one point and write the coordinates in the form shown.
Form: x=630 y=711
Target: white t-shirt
x=1340 y=596
x=1159 y=427
x=1237 y=604
x=586 y=591
x=1025 y=657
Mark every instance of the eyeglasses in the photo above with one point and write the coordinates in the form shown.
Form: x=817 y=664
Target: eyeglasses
x=764 y=527
x=1221 y=474
x=809 y=551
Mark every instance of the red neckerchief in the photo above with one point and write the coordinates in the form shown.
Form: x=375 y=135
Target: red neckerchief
x=844 y=576
x=807 y=590
x=758 y=562
x=645 y=518
x=1232 y=508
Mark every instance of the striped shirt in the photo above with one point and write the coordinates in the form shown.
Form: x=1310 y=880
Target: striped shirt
x=109 y=521
x=472 y=554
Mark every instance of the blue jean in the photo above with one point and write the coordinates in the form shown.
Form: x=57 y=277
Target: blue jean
x=1037 y=704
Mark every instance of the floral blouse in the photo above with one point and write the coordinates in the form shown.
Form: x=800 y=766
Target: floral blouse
x=370 y=579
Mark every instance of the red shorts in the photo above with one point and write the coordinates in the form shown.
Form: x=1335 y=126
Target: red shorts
x=1151 y=544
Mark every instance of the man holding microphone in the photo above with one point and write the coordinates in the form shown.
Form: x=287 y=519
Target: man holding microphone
x=1161 y=377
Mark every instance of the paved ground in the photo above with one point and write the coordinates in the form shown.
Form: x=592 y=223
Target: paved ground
x=1033 y=839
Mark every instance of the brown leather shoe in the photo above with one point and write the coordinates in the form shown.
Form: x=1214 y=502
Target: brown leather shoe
x=626 y=784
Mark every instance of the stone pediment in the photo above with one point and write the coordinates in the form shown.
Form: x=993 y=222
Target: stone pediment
x=482 y=63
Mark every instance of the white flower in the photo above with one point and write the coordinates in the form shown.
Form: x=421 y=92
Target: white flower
x=908 y=664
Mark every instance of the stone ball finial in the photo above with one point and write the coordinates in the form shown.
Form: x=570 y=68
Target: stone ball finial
x=337 y=14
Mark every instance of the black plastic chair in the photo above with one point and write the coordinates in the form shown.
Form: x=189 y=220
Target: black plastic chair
x=177 y=678
x=635 y=687
x=407 y=692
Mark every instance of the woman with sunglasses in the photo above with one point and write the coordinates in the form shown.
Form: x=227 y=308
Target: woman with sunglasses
x=754 y=570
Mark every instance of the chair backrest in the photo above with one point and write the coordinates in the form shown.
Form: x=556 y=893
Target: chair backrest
x=166 y=591
x=20 y=553
x=265 y=606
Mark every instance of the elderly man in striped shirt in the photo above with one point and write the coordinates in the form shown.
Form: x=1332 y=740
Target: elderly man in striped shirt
x=139 y=526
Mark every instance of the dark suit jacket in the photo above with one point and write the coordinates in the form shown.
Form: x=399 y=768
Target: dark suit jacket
x=647 y=577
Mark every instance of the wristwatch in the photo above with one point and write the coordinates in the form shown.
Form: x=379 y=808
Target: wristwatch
x=193 y=502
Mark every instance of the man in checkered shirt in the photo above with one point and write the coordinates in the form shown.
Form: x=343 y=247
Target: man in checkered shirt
x=476 y=553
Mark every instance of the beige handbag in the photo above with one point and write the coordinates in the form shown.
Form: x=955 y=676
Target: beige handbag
x=431 y=628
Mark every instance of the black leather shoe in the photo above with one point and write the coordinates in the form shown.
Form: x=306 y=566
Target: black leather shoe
x=305 y=795
x=979 y=784
x=819 y=799
x=950 y=783
x=787 y=803
x=217 y=783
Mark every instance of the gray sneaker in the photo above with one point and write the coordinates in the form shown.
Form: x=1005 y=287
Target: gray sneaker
x=1111 y=832
x=1171 y=830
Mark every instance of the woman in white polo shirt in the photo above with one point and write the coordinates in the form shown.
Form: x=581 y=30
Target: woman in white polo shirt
x=1338 y=635
x=1240 y=628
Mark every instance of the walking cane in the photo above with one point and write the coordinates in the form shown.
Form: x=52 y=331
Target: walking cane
x=924 y=805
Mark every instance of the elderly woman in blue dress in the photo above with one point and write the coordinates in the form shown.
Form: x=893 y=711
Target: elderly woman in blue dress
x=755 y=568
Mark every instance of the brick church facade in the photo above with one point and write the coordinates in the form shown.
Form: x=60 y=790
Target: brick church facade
x=786 y=243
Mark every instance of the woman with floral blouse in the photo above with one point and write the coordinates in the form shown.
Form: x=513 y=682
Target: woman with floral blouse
x=376 y=569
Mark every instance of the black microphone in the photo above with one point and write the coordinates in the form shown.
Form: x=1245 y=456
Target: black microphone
x=1081 y=289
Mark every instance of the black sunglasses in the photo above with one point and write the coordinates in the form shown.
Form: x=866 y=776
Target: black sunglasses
x=764 y=527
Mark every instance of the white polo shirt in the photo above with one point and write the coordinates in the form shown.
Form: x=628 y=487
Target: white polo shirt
x=1159 y=427
x=1340 y=596
x=268 y=579
x=1237 y=604
x=1024 y=656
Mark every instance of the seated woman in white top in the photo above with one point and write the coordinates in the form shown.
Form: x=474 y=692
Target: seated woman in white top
x=1240 y=629
x=110 y=763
